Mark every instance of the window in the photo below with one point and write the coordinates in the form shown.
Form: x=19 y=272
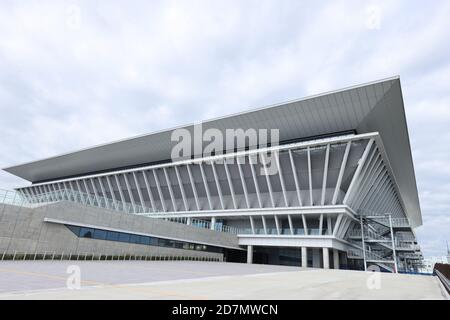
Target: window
x=144 y=240
x=113 y=236
x=134 y=238
x=101 y=234
x=124 y=237
x=75 y=229
x=86 y=232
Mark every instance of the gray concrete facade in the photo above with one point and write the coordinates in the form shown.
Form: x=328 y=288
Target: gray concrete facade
x=24 y=230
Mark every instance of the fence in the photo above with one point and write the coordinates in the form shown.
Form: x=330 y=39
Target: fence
x=55 y=256
x=442 y=271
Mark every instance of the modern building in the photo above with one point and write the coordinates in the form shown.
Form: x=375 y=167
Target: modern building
x=343 y=194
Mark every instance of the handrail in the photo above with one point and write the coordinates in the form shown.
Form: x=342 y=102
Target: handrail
x=444 y=280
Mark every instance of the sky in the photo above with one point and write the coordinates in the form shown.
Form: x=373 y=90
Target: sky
x=78 y=73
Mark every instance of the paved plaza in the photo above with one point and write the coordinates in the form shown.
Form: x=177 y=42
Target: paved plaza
x=204 y=280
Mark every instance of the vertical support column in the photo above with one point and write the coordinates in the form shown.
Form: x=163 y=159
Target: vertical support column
x=304 y=257
x=249 y=254
x=393 y=244
x=363 y=243
x=335 y=259
x=311 y=201
x=329 y=226
x=326 y=258
x=325 y=174
x=213 y=223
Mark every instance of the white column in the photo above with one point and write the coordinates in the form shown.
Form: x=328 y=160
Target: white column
x=252 y=224
x=341 y=173
x=291 y=225
x=264 y=224
x=335 y=259
x=213 y=223
x=255 y=181
x=194 y=188
x=180 y=183
x=230 y=182
x=358 y=170
x=277 y=224
x=294 y=173
x=205 y=182
x=311 y=201
x=158 y=187
x=325 y=174
x=244 y=186
x=283 y=187
x=326 y=258
x=304 y=257
x=249 y=254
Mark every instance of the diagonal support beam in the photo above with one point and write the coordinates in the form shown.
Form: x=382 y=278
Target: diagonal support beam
x=341 y=173
x=183 y=193
x=158 y=187
x=358 y=170
x=194 y=188
x=208 y=194
x=294 y=173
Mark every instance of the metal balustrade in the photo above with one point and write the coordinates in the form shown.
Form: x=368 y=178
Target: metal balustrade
x=381 y=218
x=19 y=199
x=284 y=232
x=85 y=256
x=370 y=255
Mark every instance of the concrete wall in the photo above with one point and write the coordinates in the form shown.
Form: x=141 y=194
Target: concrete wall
x=23 y=230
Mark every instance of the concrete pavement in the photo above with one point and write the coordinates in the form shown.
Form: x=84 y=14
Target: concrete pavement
x=203 y=280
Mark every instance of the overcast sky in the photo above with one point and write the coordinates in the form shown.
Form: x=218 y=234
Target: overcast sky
x=78 y=73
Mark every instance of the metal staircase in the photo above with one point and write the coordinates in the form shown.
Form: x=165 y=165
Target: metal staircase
x=376 y=247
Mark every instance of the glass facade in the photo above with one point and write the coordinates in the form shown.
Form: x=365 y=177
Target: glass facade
x=101 y=234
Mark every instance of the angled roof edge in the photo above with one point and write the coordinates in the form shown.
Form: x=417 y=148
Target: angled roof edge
x=397 y=77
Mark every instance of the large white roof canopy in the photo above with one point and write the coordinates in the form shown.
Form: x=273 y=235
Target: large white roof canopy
x=371 y=107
